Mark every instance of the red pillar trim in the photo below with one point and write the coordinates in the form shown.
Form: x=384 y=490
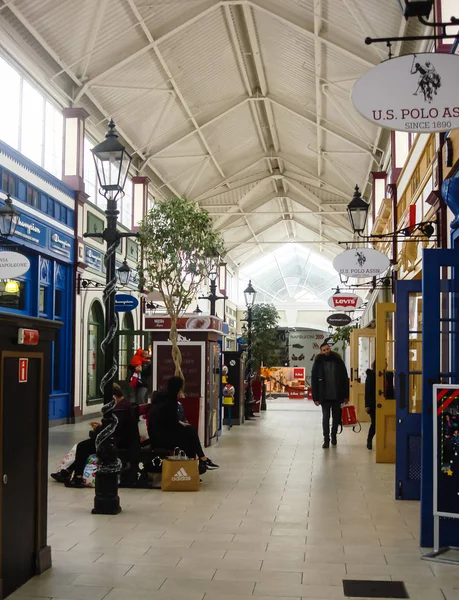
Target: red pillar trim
x=75 y=180
x=137 y=214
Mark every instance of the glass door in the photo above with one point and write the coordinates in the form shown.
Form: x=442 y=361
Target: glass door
x=385 y=383
x=362 y=351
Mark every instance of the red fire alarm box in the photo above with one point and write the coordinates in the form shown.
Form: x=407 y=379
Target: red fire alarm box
x=28 y=337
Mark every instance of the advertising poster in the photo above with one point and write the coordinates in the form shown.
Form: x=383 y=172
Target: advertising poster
x=303 y=346
x=446 y=447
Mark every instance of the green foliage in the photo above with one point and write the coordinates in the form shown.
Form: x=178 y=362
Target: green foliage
x=180 y=247
x=343 y=335
x=264 y=335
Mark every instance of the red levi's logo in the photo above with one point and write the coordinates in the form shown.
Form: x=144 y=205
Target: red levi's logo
x=343 y=301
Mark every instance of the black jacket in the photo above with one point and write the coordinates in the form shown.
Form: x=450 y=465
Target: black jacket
x=318 y=384
x=370 y=390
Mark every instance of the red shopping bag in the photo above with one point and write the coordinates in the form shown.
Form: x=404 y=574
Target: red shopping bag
x=349 y=418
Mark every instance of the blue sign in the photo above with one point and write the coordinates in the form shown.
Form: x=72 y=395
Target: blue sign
x=61 y=243
x=241 y=340
x=93 y=258
x=225 y=328
x=125 y=303
x=31 y=231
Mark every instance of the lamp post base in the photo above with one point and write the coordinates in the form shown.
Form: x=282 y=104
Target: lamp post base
x=106 y=499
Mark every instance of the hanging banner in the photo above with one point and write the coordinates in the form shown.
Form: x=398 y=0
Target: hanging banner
x=361 y=263
x=414 y=92
x=339 y=320
x=345 y=301
x=13 y=264
x=446 y=450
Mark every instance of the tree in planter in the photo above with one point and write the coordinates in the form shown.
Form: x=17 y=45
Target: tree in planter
x=343 y=335
x=264 y=335
x=180 y=248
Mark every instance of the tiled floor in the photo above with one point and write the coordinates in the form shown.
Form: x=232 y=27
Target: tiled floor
x=281 y=519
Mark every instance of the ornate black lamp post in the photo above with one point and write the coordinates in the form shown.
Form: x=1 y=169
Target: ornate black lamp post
x=112 y=165
x=249 y=294
x=215 y=275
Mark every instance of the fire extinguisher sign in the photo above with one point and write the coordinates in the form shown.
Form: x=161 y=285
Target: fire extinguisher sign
x=23 y=370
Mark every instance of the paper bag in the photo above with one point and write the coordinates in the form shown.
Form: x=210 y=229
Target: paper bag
x=180 y=475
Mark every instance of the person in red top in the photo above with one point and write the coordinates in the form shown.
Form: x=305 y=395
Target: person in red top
x=140 y=365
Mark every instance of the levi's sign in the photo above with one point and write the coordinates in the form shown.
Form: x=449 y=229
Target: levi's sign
x=345 y=301
x=361 y=263
x=415 y=92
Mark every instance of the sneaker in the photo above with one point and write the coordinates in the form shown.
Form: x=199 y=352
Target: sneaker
x=326 y=444
x=211 y=465
x=334 y=441
x=61 y=476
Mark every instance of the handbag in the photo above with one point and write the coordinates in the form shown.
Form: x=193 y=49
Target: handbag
x=180 y=473
x=68 y=459
x=90 y=470
x=349 y=417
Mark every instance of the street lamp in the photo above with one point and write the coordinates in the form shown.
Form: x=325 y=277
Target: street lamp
x=217 y=273
x=112 y=163
x=9 y=218
x=249 y=294
x=358 y=212
x=197 y=310
x=124 y=273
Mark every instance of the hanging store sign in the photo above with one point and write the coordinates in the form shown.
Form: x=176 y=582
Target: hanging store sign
x=361 y=263
x=415 y=92
x=125 y=303
x=339 y=320
x=13 y=264
x=345 y=301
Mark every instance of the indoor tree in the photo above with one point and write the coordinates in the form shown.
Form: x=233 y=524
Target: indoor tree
x=264 y=334
x=179 y=249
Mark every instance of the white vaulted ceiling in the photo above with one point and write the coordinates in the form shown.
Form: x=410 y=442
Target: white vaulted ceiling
x=242 y=105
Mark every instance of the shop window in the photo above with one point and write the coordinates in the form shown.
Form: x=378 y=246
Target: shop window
x=32 y=125
x=63 y=215
x=10 y=102
x=8 y=183
x=13 y=295
x=58 y=361
x=125 y=345
x=32 y=196
x=95 y=356
x=402 y=148
x=58 y=306
x=44 y=300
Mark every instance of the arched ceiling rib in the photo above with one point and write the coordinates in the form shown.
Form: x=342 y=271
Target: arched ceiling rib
x=243 y=105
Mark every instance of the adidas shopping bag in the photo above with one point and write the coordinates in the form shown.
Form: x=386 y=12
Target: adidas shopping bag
x=180 y=474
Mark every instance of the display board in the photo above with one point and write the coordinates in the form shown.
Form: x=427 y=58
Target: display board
x=446 y=450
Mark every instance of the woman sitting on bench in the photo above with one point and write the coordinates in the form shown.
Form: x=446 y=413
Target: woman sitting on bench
x=166 y=430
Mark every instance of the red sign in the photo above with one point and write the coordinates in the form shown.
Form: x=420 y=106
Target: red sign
x=345 y=301
x=296 y=394
x=193 y=323
x=191 y=367
x=298 y=373
x=28 y=337
x=23 y=370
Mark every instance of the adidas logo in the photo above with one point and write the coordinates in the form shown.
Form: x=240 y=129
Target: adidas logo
x=181 y=475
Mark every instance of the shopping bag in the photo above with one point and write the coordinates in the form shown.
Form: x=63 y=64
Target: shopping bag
x=89 y=472
x=349 y=417
x=68 y=460
x=180 y=474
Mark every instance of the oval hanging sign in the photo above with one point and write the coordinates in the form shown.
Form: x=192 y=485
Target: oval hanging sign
x=361 y=263
x=125 y=303
x=345 y=301
x=415 y=92
x=13 y=264
x=338 y=319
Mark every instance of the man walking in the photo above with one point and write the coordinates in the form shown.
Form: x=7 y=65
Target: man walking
x=330 y=388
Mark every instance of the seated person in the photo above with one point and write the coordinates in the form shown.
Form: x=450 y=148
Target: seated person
x=87 y=447
x=167 y=430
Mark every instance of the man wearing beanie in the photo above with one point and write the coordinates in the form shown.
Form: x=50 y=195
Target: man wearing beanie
x=330 y=388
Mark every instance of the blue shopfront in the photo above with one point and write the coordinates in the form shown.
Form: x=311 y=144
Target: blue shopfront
x=45 y=235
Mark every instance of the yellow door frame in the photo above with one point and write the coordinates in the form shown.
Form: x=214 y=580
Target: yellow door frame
x=357 y=386
x=385 y=407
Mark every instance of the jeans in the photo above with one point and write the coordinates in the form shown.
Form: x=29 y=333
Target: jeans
x=372 y=430
x=335 y=409
x=83 y=450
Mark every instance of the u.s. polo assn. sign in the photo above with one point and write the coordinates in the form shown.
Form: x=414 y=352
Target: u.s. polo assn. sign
x=415 y=92
x=361 y=263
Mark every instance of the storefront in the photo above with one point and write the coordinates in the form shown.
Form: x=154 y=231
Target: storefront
x=45 y=235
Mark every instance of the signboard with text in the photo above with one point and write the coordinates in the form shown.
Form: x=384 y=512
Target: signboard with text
x=345 y=301
x=198 y=322
x=446 y=450
x=361 y=263
x=414 y=92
